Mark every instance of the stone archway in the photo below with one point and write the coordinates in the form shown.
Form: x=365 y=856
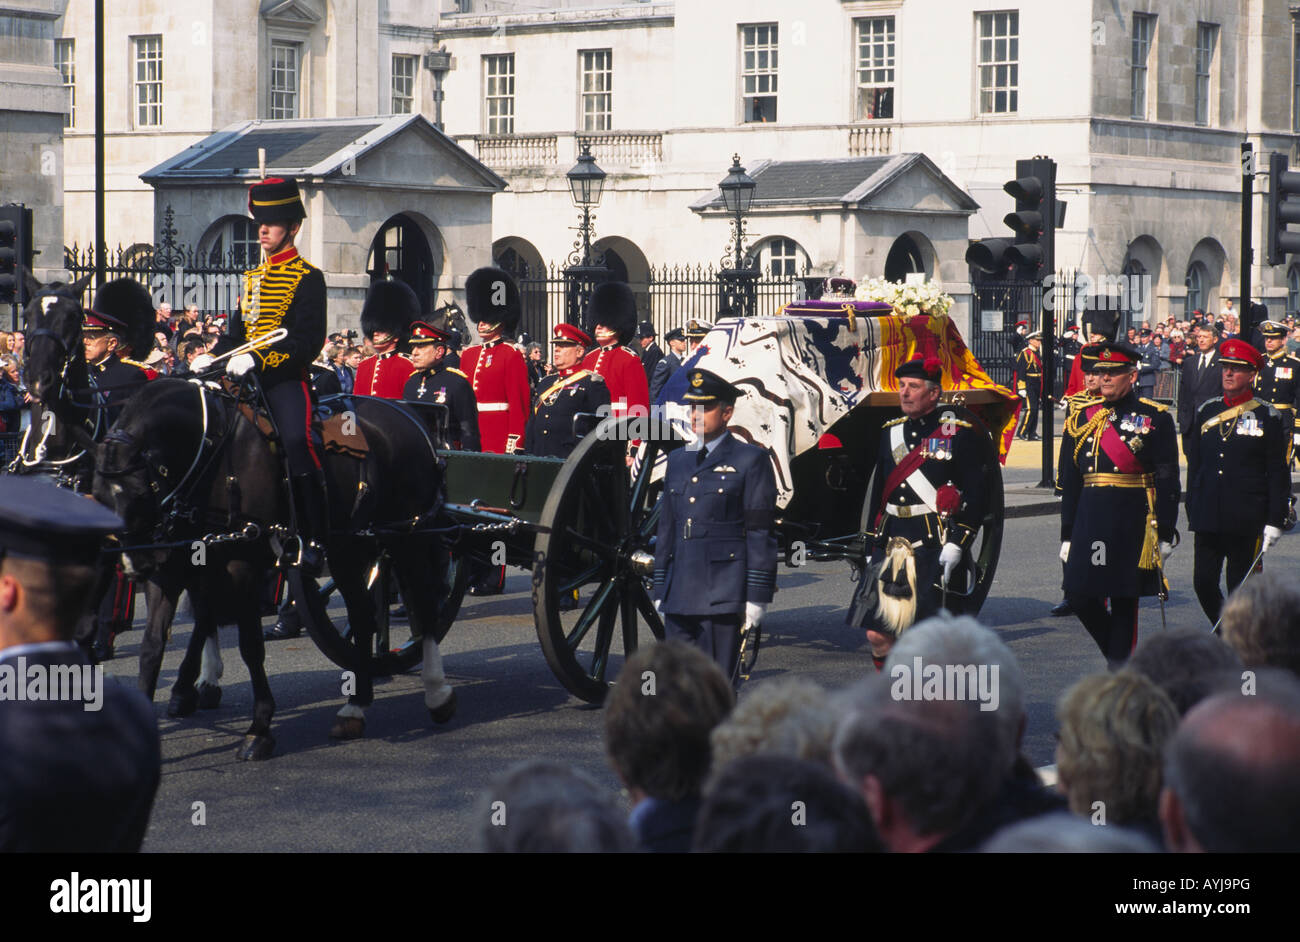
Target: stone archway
x=911 y=253
x=401 y=250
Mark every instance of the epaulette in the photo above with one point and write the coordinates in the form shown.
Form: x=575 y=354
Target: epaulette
x=962 y=422
x=136 y=363
x=452 y=369
x=892 y=422
x=594 y=377
x=1151 y=402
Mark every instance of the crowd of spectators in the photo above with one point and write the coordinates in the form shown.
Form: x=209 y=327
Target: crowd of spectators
x=1193 y=746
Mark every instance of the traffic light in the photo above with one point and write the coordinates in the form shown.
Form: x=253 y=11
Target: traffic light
x=1283 y=208
x=1034 y=224
x=15 y=251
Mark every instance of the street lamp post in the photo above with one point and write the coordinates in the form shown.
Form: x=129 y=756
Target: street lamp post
x=737 y=283
x=583 y=272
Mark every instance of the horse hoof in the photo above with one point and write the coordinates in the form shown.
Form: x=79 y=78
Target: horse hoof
x=255 y=748
x=183 y=702
x=348 y=727
x=209 y=696
x=444 y=713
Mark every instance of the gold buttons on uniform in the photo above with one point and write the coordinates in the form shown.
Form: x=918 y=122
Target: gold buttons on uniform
x=692 y=500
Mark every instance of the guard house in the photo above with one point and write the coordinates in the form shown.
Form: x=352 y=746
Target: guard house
x=387 y=196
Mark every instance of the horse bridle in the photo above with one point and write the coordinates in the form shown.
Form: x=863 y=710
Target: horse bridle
x=47 y=425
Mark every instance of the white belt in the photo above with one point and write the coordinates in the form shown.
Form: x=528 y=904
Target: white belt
x=493 y=407
x=907 y=510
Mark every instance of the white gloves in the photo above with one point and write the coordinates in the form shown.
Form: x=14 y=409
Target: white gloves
x=1166 y=550
x=659 y=607
x=1271 y=536
x=239 y=365
x=1296 y=438
x=754 y=613
x=1065 y=551
x=949 y=557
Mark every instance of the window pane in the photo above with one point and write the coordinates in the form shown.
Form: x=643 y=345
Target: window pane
x=148 y=81
x=499 y=90
x=758 y=72
x=997 y=66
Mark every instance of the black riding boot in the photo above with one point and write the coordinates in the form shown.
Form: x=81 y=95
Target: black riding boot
x=313 y=518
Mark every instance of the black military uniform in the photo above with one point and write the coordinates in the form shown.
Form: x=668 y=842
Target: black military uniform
x=916 y=459
x=1278 y=383
x=562 y=397
x=444 y=386
x=114 y=381
x=1069 y=348
x=1120 y=492
x=1073 y=404
x=651 y=355
x=666 y=366
x=79 y=766
x=1029 y=386
x=1238 y=481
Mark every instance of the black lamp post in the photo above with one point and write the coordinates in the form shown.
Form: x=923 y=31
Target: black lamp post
x=736 y=284
x=583 y=273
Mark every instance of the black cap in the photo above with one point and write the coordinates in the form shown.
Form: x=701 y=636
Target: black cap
x=675 y=334
x=645 y=329
x=51 y=524
x=930 y=368
x=1116 y=356
x=275 y=200
x=704 y=386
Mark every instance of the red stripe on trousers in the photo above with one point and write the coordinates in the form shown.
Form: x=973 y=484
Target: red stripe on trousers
x=311 y=449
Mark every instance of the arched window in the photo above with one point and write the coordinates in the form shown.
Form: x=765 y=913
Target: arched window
x=1293 y=289
x=1195 y=289
x=783 y=257
x=904 y=259
x=236 y=244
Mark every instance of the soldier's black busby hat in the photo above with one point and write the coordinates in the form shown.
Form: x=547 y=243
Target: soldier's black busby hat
x=391 y=307
x=492 y=298
x=1115 y=356
x=51 y=524
x=1101 y=323
x=703 y=386
x=274 y=200
x=614 y=307
x=123 y=307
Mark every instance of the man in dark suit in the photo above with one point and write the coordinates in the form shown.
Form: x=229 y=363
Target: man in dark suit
x=715 y=557
x=674 y=358
x=650 y=352
x=1238 y=483
x=1200 y=381
x=81 y=756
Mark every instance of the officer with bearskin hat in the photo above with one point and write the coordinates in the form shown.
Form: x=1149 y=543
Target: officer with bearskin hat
x=286 y=292
x=1119 y=503
x=386 y=317
x=611 y=319
x=496 y=370
x=1238 y=481
x=715 y=554
x=926 y=503
x=433 y=381
x=561 y=398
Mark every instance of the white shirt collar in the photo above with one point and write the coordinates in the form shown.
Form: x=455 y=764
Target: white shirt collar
x=39 y=647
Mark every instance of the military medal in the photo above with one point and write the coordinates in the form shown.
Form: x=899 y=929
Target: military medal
x=939 y=449
x=1283 y=372
x=1249 y=425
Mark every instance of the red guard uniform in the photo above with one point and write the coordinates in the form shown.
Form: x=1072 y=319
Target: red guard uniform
x=383 y=375
x=499 y=377
x=624 y=375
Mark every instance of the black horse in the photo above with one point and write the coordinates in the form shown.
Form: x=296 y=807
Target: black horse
x=200 y=487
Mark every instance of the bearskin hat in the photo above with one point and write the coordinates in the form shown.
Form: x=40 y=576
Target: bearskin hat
x=614 y=306
x=1105 y=323
x=128 y=301
x=493 y=298
x=391 y=307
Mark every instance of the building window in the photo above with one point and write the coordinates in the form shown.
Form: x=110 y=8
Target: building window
x=999 y=62
x=148 y=81
x=780 y=257
x=236 y=244
x=1207 y=35
x=499 y=93
x=875 y=68
x=758 y=72
x=284 y=80
x=403 y=84
x=1195 y=290
x=1143 y=27
x=64 y=61
x=1292 y=290
x=597 y=89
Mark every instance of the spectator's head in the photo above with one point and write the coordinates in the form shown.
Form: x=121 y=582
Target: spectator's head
x=191 y=348
x=541 y=807
x=1187 y=664
x=534 y=351
x=1261 y=621
x=1206 y=337
x=1232 y=772
x=658 y=718
x=922 y=765
x=973 y=655
x=786 y=716
x=352 y=357
x=1113 y=732
x=1067 y=834
x=777 y=804
x=9 y=370
x=164 y=311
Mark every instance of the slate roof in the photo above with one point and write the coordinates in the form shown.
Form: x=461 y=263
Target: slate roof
x=831 y=180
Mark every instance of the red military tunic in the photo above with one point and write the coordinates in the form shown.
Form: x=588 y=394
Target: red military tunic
x=629 y=393
x=499 y=377
x=383 y=375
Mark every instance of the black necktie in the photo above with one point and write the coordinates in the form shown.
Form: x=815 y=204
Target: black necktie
x=701 y=455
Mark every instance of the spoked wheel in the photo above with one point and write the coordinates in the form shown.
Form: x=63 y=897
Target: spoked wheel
x=987 y=545
x=397 y=647
x=593 y=562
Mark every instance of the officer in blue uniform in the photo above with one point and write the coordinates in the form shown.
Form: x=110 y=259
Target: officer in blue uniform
x=78 y=771
x=436 y=382
x=1238 y=483
x=715 y=556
